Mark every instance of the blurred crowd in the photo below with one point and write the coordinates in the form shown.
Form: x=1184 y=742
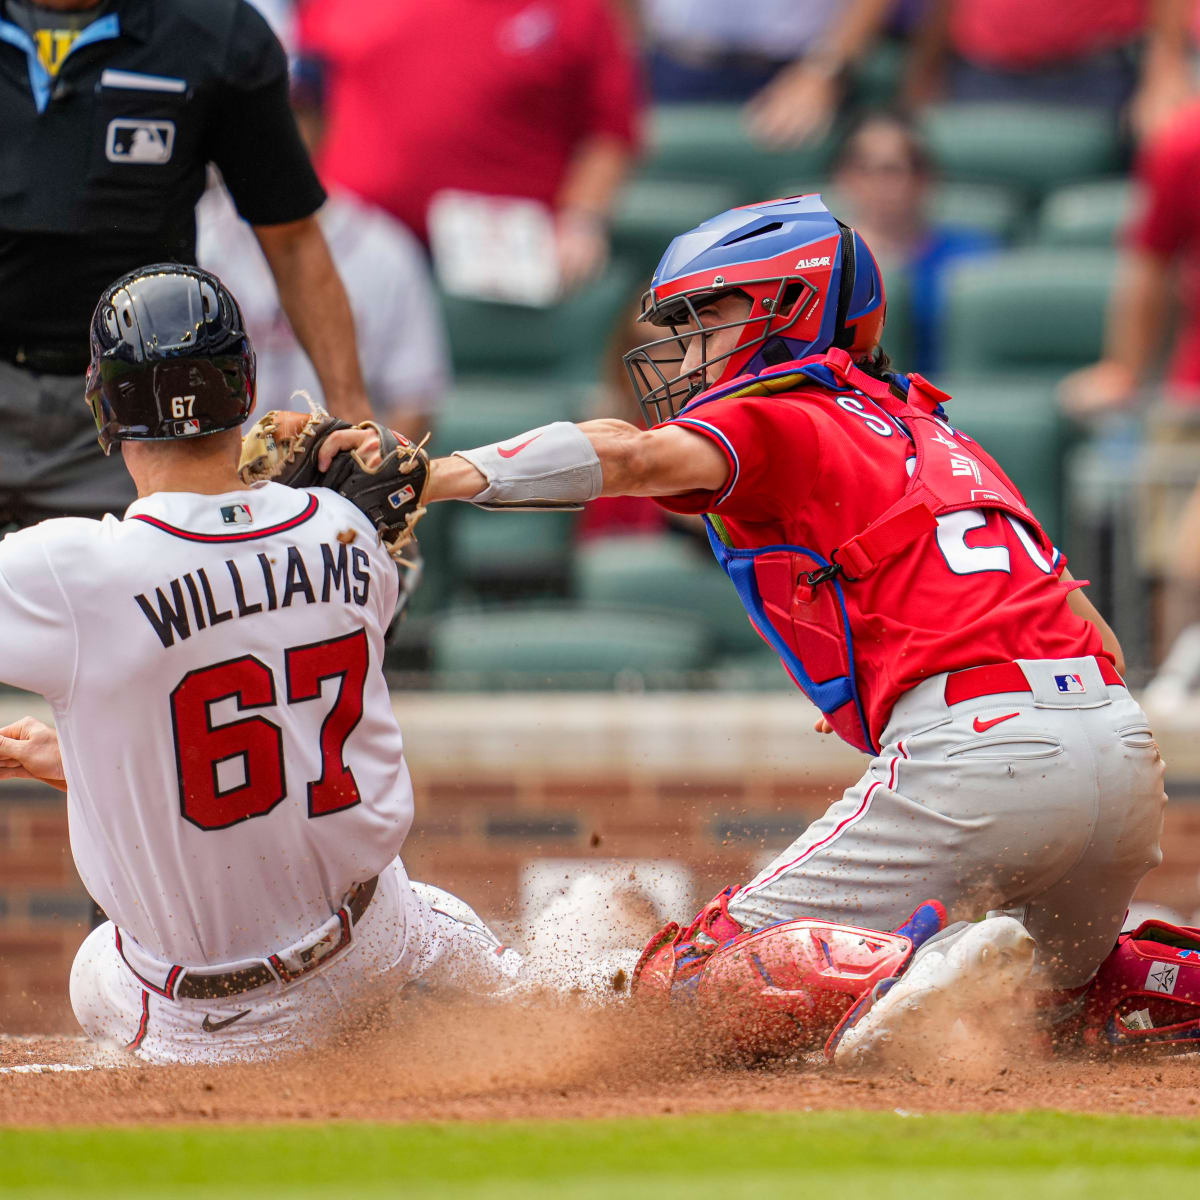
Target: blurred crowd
x=504 y=173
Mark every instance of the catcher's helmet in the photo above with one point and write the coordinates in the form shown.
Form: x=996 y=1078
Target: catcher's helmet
x=812 y=283
x=170 y=357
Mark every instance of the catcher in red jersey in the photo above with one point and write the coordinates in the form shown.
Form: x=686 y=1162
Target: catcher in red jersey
x=912 y=594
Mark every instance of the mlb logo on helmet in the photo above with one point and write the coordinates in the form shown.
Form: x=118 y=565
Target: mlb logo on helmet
x=187 y=428
x=236 y=514
x=1069 y=683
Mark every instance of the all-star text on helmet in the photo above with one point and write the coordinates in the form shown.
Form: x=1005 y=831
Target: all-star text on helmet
x=812 y=283
x=171 y=358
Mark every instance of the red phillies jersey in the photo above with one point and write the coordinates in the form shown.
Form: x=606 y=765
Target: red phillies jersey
x=491 y=96
x=812 y=469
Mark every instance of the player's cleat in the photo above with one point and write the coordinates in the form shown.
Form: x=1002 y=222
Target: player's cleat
x=995 y=955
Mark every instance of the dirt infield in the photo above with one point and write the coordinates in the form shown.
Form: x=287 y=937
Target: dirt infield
x=554 y=1063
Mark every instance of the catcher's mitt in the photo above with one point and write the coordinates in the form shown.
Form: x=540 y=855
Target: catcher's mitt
x=388 y=490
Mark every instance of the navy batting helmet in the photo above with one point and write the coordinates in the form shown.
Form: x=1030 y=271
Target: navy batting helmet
x=170 y=357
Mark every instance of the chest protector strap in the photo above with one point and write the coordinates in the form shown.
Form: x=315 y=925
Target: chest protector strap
x=948 y=475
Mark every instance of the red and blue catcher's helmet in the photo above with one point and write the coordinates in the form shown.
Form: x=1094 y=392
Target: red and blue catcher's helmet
x=812 y=282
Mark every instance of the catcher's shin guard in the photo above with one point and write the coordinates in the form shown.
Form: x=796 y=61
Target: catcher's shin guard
x=1147 y=991
x=781 y=989
x=674 y=957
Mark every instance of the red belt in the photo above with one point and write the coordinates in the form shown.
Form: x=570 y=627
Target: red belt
x=1005 y=677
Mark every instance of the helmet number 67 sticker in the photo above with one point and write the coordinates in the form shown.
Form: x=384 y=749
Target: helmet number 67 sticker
x=181 y=406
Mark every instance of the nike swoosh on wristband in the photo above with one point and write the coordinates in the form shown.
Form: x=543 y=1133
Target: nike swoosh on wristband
x=983 y=726
x=516 y=449
x=211 y=1026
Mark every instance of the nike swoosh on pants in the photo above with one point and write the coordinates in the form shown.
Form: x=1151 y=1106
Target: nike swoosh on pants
x=983 y=726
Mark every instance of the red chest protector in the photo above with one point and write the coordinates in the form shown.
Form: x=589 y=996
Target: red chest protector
x=801 y=600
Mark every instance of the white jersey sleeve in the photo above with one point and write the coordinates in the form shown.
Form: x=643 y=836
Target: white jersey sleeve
x=39 y=646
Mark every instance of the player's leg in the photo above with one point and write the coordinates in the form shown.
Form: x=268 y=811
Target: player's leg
x=944 y=812
x=454 y=949
x=1077 y=920
x=112 y=1008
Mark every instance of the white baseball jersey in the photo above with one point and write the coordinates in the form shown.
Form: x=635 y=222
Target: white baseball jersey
x=232 y=758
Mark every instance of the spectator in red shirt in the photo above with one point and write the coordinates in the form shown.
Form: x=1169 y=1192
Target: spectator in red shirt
x=535 y=99
x=1083 y=54
x=1165 y=235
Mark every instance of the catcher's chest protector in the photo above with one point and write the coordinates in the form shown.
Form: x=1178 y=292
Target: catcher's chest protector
x=1147 y=991
x=802 y=601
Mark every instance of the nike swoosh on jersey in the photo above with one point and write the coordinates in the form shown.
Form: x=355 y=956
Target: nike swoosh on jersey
x=516 y=449
x=983 y=726
x=211 y=1026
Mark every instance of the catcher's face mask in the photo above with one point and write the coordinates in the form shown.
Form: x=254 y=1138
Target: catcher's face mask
x=807 y=281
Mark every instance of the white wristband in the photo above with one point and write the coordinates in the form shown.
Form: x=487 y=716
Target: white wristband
x=551 y=464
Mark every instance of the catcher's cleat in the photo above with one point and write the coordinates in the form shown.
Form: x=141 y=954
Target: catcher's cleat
x=898 y=1015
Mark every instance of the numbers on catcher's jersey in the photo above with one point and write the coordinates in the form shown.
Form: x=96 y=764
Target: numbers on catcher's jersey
x=251 y=748
x=952 y=530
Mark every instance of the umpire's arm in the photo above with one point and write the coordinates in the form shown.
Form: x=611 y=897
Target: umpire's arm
x=314 y=298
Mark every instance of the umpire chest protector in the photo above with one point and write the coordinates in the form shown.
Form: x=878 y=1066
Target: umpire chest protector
x=113 y=141
x=802 y=600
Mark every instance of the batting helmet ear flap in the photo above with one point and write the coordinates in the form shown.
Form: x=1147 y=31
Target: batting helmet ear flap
x=843 y=337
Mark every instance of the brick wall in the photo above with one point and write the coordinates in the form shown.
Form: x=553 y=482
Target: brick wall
x=714 y=785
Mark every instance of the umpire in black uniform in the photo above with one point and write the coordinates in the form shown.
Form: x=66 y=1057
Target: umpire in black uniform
x=110 y=112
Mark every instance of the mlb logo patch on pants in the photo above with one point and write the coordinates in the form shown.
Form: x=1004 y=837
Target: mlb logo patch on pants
x=1069 y=683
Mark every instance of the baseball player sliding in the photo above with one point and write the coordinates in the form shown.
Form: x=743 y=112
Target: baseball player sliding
x=912 y=594
x=236 y=782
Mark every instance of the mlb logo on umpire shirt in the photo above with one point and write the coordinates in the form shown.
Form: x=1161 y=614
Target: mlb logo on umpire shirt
x=236 y=514
x=139 y=142
x=1069 y=683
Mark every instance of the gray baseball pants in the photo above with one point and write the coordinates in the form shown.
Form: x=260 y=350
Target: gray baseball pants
x=1053 y=813
x=50 y=462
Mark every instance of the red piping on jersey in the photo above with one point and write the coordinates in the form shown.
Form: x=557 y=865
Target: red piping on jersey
x=852 y=819
x=250 y=535
x=172 y=977
x=143 y=1025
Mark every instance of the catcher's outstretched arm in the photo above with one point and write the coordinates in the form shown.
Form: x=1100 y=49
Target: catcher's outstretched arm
x=574 y=463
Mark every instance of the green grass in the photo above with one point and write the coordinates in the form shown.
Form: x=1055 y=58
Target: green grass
x=875 y=1156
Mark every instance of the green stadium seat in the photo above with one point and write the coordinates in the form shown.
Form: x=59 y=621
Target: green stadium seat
x=667 y=573
x=709 y=142
x=509 y=553
x=565 y=340
x=653 y=211
x=988 y=207
x=479 y=410
x=1038 y=310
x=1031 y=148
x=537 y=647
x=1018 y=422
x=1085 y=214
